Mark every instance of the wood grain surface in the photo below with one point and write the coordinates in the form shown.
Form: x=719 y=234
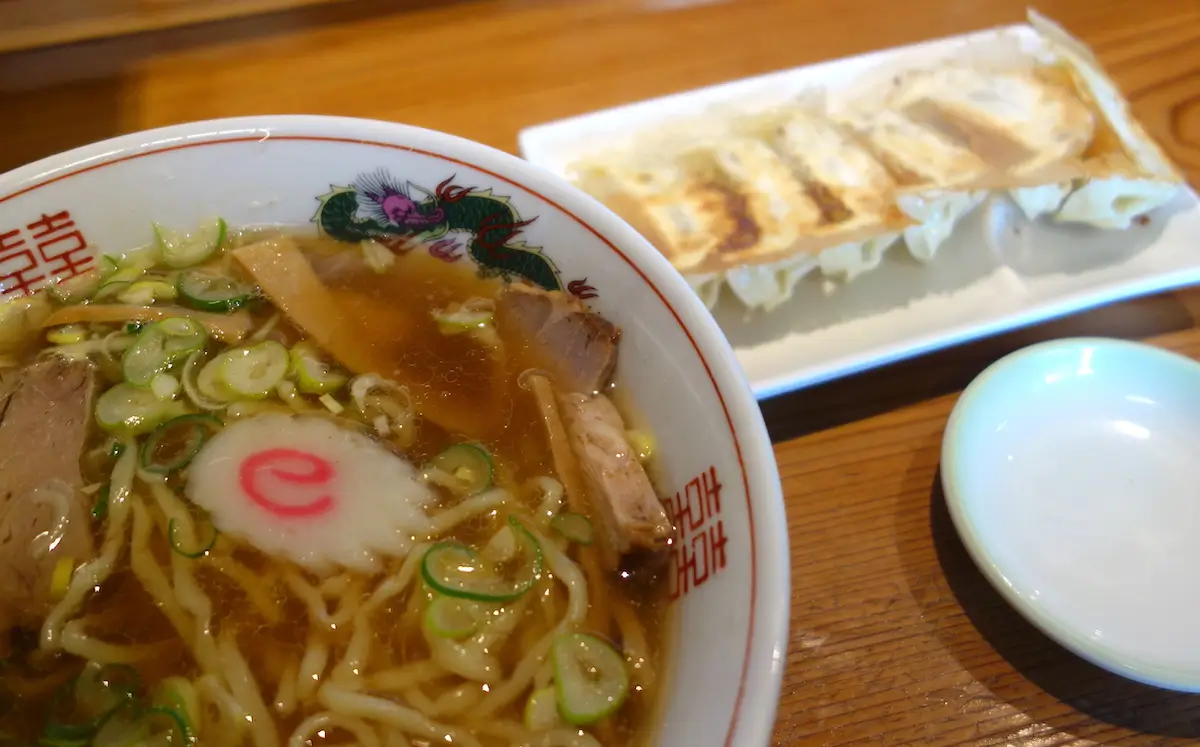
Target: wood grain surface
x=896 y=637
x=26 y=24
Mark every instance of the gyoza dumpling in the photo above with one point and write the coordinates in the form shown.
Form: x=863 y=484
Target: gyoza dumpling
x=768 y=285
x=1114 y=203
x=848 y=261
x=1020 y=124
x=858 y=187
x=1126 y=178
x=708 y=207
x=1041 y=200
x=917 y=156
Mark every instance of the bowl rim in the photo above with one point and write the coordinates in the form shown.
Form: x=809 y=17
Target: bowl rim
x=998 y=375
x=752 y=720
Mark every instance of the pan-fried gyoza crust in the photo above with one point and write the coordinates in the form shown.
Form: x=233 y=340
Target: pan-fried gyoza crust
x=732 y=190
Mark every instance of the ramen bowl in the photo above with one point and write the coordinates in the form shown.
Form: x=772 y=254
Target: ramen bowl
x=715 y=470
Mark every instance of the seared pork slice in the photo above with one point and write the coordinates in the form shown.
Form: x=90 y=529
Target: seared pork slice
x=575 y=346
x=577 y=349
x=45 y=415
x=633 y=515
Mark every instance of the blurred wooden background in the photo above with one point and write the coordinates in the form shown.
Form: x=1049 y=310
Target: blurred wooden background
x=27 y=24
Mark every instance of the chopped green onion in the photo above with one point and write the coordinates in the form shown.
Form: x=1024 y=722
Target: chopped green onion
x=60 y=580
x=165 y=386
x=178 y=694
x=455 y=570
x=133 y=725
x=468 y=467
x=209 y=291
x=127 y=410
x=590 y=678
x=575 y=527
x=174 y=444
x=201 y=385
x=76 y=289
x=85 y=704
x=184 y=250
x=117 y=282
x=100 y=507
x=142 y=259
x=108 y=265
x=146 y=292
x=502 y=547
x=462 y=320
x=286 y=390
x=158 y=346
x=541 y=710
x=642 y=443
x=67 y=335
x=172 y=721
x=331 y=404
x=447 y=617
x=253 y=371
x=193 y=554
x=313 y=374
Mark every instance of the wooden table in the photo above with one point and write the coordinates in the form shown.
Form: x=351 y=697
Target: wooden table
x=896 y=638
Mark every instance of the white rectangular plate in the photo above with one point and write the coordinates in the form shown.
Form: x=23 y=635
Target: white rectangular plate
x=977 y=286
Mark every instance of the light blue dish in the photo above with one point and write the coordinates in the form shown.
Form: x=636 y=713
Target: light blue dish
x=1072 y=473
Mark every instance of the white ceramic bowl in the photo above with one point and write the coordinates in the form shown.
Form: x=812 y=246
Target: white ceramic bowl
x=1071 y=472
x=716 y=457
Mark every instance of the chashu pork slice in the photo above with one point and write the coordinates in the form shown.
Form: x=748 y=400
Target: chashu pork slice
x=45 y=518
x=577 y=348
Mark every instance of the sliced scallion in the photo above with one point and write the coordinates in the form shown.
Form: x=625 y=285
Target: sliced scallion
x=541 y=710
x=589 y=676
x=127 y=410
x=165 y=386
x=134 y=725
x=314 y=375
x=108 y=265
x=253 y=371
x=69 y=334
x=159 y=345
x=448 y=617
x=208 y=291
x=642 y=443
x=467 y=466
x=201 y=384
x=116 y=282
x=76 y=289
x=575 y=527
x=462 y=320
x=186 y=249
x=174 y=444
x=146 y=292
x=331 y=404
x=60 y=580
x=209 y=532
x=456 y=570
x=100 y=507
x=82 y=707
x=167 y=722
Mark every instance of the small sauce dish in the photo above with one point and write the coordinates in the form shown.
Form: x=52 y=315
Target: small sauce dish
x=1071 y=470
